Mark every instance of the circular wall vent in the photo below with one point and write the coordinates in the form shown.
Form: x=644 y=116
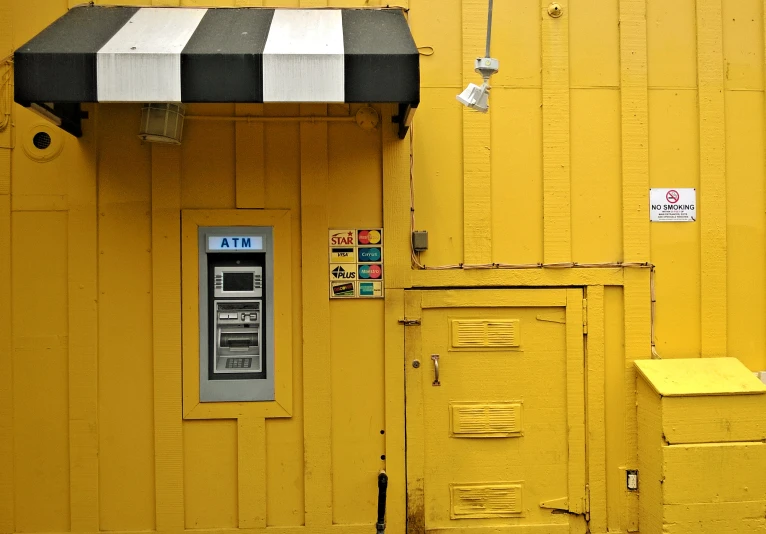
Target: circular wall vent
x=43 y=142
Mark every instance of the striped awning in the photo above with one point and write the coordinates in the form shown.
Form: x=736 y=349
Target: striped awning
x=130 y=54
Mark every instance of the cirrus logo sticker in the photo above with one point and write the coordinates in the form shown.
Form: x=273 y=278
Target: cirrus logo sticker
x=369 y=254
x=370 y=271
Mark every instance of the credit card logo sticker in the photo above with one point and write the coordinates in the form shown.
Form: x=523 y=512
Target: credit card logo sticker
x=343 y=289
x=343 y=272
x=370 y=271
x=341 y=255
x=341 y=237
x=370 y=289
x=369 y=237
x=369 y=254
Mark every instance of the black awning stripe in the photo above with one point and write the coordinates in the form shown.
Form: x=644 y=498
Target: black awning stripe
x=222 y=60
x=59 y=64
x=381 y=59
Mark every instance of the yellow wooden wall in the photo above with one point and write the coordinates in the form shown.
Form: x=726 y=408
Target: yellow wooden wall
x=587 y=112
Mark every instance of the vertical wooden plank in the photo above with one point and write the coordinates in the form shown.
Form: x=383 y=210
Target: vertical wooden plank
x=250 y=159
x=6 y=48
x=637 y=302
x=7 y=508
x=396 y=203
x=712 y=194
x=477 y=205
x=614 y=395
x=316 y=317
x=416 y=520
x=251 y=471
x=576 y=406
x=596 y=351
x=166 y=296
x=395 y=359
x=635 y=131
x=83 y=335
x=556 y=181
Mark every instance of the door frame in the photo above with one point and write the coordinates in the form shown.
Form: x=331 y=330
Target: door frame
x=572 y=299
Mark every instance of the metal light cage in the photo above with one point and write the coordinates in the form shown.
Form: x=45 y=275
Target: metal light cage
x=162 y=123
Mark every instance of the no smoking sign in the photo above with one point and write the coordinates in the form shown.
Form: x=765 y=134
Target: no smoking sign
x=673 y=205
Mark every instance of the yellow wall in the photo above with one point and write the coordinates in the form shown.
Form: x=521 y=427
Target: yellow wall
x=587 y=112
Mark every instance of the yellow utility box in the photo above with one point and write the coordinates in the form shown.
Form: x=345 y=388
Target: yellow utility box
x=701 y=450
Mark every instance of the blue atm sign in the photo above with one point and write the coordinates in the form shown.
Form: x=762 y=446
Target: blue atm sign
x=234 y=242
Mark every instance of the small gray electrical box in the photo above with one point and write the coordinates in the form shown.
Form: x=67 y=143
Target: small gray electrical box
x=420 y=240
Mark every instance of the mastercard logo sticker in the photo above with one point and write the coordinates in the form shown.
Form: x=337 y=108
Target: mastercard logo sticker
x=370 y=272
x=369 y=237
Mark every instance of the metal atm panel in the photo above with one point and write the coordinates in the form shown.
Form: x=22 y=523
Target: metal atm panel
x=236 y=314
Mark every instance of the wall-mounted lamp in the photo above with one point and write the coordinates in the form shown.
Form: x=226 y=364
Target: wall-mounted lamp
x=475 y=96
x=162 y=123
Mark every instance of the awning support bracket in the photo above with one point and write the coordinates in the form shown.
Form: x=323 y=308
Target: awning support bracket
x=404 y=118
x=67 y=116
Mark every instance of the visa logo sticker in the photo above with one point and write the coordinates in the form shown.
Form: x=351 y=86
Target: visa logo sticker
x=370 y=254
x=343 y=271
x=342 y=237
x=341 y=255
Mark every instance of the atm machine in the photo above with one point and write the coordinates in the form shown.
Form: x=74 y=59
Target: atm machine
x=236 y=314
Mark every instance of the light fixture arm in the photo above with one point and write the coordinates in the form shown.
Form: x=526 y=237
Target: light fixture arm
x=489 y=27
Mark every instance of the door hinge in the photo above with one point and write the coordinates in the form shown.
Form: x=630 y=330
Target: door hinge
x=584 y=316
x=409 y=322
x=562 y=505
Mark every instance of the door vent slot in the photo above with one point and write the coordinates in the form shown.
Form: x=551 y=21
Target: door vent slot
x=482 y=500
x=484 y=334
x=483 y=420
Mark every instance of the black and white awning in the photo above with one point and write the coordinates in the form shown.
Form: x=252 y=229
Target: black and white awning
x=130 y=54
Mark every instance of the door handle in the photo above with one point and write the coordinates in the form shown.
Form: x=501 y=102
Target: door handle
x=435 y=359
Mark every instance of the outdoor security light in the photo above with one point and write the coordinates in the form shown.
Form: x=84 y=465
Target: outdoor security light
x=474 y=96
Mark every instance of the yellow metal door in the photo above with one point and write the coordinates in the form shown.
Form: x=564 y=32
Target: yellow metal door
x=495 y=411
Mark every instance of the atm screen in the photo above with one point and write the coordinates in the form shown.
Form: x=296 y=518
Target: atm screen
x=238 y=281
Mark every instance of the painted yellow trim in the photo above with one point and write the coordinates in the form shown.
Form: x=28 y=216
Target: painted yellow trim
x=250 y=159
x=7 y=501
x=576 y=407
x=557 y=231
x=251 y=472
x=477 y=205
x=482 y=298
x=166 y=303
x=396 y=502
x=596 y=408
x=518 y=277
x=396 y=206
x=712 y=178
x=283 y=349
x=637 y=300
x=317 y=424
x=415 y=429
x=635 y=130
x=521 y=529
x=82 y=265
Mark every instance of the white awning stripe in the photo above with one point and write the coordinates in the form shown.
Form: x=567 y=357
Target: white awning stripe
x=142 y=61
x=303 y=60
